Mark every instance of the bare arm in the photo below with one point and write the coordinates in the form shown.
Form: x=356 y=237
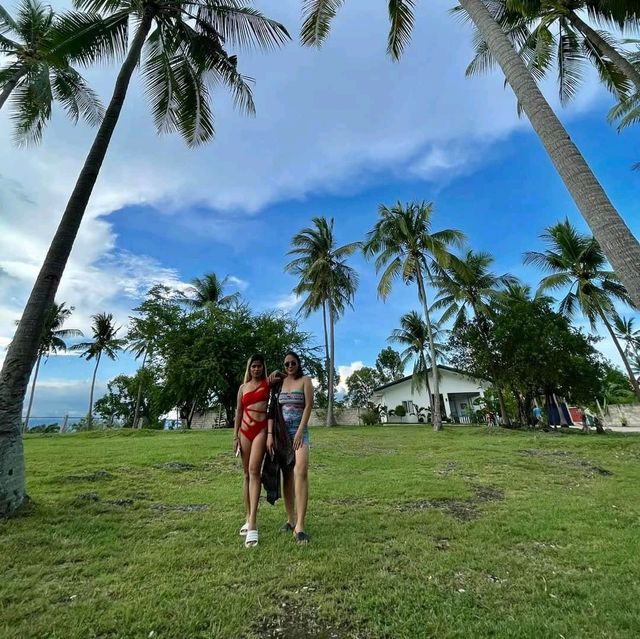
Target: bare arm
x=238 y=419
x=308 y=402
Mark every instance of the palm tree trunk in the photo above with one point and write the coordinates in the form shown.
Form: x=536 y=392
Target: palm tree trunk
x=615 y=238
x=11 y=85
x=332 y=322
x=623 y=357
x=606 y=49
x=437 y=414
x=93 y=384
x=33 y=388
x=326 y=335
x=428 y=385
x=23 y=350
x=136 y=413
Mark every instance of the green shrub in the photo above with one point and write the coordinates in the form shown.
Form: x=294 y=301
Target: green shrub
x=370 y=418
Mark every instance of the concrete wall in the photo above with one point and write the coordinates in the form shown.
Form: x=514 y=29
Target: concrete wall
x=617 y=411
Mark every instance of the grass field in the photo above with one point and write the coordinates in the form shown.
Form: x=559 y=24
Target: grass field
x=465 y=533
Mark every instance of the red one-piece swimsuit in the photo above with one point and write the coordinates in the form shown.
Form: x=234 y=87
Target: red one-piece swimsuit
x=252 y=427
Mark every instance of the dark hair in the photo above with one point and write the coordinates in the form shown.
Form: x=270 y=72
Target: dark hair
x=299 y=372
x=256 y=357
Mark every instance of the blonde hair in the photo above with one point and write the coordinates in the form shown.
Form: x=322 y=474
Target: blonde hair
x=257 y=357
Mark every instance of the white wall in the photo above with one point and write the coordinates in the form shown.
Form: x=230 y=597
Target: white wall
x=450 y=382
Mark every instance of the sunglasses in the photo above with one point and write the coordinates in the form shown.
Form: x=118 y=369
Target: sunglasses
x=290 y=364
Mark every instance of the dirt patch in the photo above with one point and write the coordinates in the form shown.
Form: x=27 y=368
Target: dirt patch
x=566 y=458
x=448 y=469
x=461 y=510
x=302 y=620
x=87 y=497
x=122 y=503
x=98 y=475
x=183 y=508
x=175 y=466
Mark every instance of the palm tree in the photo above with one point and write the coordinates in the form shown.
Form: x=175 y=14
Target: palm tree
x=328 y=283
x=617 y=241
x=553 y=33
x=468 y=286
x=405 y=246
x=51 y=342
x=576 y=261
x=179 y=45
x=104 y=342
x=208 y=291
x=413 y=334
x=625 y=331
x=36 y=69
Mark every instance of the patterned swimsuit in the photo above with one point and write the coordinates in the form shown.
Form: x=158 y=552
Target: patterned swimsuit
x=292 y=404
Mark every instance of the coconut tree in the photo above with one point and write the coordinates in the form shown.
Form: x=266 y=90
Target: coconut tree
x=550 y=34
x=404 y=246
x=326 y=282
x=624 y=328
x=180 y=48
x=51 y=342
x=208 y=291
x=105 y=342
x=413 y=334
x=467 y=288
x=576 y=262
x=38 y=48
x=620 y=246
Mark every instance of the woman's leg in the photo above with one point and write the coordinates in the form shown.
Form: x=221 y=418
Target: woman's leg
x=300 y=473
x=245 y=452
x=288 y=492
x=258 y=447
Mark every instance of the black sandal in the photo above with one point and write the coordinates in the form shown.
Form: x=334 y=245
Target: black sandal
x=302 y=538
x=286 y=527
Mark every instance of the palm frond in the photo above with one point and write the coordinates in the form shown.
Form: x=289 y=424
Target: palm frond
x=316 y=20
x=401 y=21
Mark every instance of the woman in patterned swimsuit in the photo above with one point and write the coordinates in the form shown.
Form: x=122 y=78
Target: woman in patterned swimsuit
x=250 y=438
x=296 y=402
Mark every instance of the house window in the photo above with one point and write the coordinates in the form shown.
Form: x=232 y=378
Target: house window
x=408 y=406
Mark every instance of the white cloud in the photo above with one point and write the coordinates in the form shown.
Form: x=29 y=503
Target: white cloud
x=345 y=371
x=238 y=282
x=287 y=302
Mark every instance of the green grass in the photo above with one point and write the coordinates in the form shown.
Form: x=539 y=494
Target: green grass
x=464 y=533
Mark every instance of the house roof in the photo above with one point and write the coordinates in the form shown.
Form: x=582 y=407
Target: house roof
x=408 y=377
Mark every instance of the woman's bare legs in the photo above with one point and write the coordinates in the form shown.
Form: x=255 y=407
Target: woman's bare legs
x=288 y=492
x=301 y=480
x=252 y=456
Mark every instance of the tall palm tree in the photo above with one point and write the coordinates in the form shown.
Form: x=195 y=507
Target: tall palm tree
x=413 y=334
x=468 y=288
x=326 y=281
x=208 y=291
x=553 y=33
x=179 y=45
x=36 y=47
x=620 y=246
x=52 y=341
x=624 y=328
x=105 y=342
x=577 y=262
x=404 y=246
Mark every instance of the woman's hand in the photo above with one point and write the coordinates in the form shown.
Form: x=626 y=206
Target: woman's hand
x=236 y=445
x=297 y=440
x=270 y=444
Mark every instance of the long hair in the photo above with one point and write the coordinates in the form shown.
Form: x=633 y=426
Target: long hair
x=299 y=372
x=256 y=357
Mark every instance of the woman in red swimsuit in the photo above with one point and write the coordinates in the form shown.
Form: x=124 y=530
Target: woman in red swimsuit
x=250 y=439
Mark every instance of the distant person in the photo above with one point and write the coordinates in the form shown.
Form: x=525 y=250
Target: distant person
x=584 y=420
x=250 y=439
x=295 y=399
x=537 y=416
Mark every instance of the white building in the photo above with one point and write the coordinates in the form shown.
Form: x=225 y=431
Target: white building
x=457 y=392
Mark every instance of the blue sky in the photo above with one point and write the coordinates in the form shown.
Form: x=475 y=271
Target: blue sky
x=323 y=143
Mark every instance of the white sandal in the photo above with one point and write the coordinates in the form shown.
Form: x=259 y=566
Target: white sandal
x=244 y=530
x=252 y=539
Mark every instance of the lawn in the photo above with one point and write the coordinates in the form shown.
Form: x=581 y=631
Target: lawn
x=464 y=533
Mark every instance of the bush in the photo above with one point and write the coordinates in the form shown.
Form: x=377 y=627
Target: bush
x=370 y=418
x=400 y=411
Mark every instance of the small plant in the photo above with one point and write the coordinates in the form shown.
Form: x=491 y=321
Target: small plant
x=624 y=421
x=400 y=411
x=370 y=418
